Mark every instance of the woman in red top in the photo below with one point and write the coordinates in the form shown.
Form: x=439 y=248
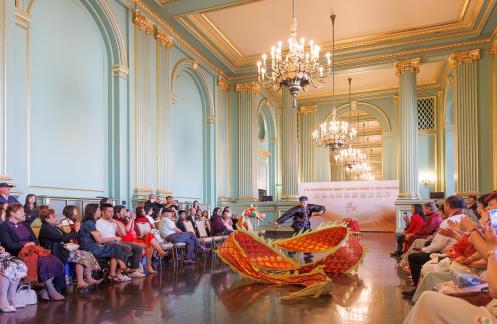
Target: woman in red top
x=417 y=221
x=128 y=226
x=433 y=220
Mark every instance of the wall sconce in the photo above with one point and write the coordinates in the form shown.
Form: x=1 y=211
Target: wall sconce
x=427 y=179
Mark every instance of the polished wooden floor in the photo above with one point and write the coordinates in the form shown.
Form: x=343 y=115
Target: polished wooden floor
x=211 y=293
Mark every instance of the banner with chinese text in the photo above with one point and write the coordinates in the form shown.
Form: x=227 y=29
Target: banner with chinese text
x=371 y=202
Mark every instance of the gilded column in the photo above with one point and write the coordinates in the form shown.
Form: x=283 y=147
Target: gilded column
x=408 y=128
x=247 y=136
x=289 y=150
x=306 y=127
x=466 y=121
x=493 y=54
x=143 y=32
x=223 y=137
x=163 y=48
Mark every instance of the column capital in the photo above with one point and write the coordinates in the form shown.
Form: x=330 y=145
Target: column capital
x=162 y=38
x=248 y=87
x=308 y=109
x=464 y=57
x=223 y=84
x=142 y=22
x=493 y=48
x=411 y=65
x=209 y=119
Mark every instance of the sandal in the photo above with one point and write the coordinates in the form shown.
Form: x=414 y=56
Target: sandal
x=114 y=279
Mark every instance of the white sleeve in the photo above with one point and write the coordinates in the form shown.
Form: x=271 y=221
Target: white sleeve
x=438 y=243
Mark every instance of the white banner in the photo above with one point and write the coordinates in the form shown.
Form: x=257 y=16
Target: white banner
x=371 y=202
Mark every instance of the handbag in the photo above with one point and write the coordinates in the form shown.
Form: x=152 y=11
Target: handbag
x=25 y=295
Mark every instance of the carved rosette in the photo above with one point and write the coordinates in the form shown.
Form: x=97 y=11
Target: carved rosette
x=411 y=65
x=142 y=22
x=248 y=87
x=223 y=84
x=464 y=57
x=163 y=39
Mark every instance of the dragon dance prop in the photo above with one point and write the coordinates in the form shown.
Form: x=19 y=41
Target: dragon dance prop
x=265 y=261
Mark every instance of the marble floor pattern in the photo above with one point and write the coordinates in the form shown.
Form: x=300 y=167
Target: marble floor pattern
x=210 y=292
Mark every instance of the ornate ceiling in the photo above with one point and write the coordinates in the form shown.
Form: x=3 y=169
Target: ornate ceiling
x=371 y=35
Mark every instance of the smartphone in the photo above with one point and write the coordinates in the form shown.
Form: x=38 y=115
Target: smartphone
x=493 y=218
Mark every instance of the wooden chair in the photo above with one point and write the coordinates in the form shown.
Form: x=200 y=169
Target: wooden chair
x=36 y=230
x=202 y=232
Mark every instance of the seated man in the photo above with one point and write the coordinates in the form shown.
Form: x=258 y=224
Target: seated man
x=5 y=194
x=107 y=226
x=453 y=207
x=155 y=204
x=171 y=233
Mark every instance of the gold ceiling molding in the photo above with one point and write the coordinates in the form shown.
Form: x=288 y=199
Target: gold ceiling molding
x=142 y=22
x=162 y=38
x=438 y=30
x=223 y=84
x=464 y=57
x=248 y=87
x=411 y=65
x=493 y=48
x=308 y=109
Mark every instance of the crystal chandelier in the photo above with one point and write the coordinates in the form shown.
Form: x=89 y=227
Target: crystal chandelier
x=350 y=157
x=333 y=134
x=295 y=69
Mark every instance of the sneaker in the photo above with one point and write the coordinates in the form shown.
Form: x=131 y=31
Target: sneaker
x=136 y=274
x=122 y=277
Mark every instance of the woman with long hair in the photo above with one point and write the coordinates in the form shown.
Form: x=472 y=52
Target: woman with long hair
x=30 y=208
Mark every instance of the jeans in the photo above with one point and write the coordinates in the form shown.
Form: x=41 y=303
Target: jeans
x=416 y=262
x=185 y=237
x=136 y=252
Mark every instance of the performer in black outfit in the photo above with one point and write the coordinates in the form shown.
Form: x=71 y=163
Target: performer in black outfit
x=300 y=215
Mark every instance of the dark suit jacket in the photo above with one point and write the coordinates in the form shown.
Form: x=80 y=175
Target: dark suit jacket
x=155 y=206
x=52 y=238
x=10 y=240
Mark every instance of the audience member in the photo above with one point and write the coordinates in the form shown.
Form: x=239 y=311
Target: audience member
x=3 y=208
x=171 y=233
x=19 y=240
x=413 y=226
x=36 y=223
x=155 y=204
x=54 y=239
x=105 y=200
x=5 y=194
x=205 y=215
x=12 y=270
x=90 y=239
x=198 y=215
x=181 y=220
x=128 y=226
x=472 y=203
x=196 y=205
x=218 y=223
x=433 y=221
x=108 y=228
x=453 y=208
x=68 y=221
x=30 y=208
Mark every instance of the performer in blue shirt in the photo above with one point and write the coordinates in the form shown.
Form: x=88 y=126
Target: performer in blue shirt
x=300 y=216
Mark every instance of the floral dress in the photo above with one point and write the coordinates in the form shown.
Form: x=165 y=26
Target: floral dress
x=12 y=268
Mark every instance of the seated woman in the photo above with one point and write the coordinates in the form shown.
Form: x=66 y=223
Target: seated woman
x=413 y=226
x=433 y=221
x=53 y=238
x=30 y=208
x=129 y=232
x=91 y=240
x=12 y=270
x=196 y=206
x=219 y=224
x=15 y=236
x=68 y=221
